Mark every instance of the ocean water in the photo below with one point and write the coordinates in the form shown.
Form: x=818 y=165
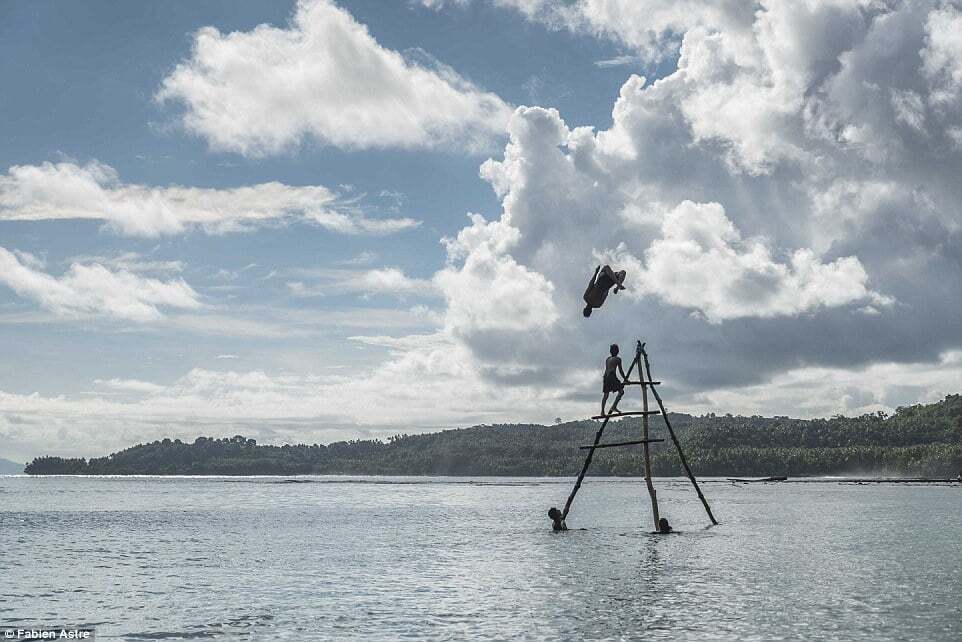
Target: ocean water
x=448 y=558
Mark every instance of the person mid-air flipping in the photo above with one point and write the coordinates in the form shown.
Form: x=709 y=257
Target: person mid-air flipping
x=602 y=281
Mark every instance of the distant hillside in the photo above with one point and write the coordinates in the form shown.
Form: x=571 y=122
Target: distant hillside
x=8 y=467
x=916 y=440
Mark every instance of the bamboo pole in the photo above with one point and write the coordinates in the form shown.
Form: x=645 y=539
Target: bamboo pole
x=591 y=453
x=631 y=368
x=644 y=435
x=584 y=470
x=681 y=453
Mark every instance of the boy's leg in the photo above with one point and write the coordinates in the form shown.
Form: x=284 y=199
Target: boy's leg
x=604 y=400
x=614 y=407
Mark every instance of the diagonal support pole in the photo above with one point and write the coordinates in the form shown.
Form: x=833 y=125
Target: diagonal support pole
x=681 y=453
x=591 y=452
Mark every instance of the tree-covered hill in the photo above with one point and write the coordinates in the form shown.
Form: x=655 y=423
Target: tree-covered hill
x=916 y=440
x=8 y=467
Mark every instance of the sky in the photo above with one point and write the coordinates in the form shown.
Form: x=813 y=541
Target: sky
x=314 y=221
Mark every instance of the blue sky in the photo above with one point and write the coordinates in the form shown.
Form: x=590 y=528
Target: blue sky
x=221 y=217
x=86 y=76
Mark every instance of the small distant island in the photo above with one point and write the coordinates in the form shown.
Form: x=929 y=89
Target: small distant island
x=8 y=467
x=923 y=440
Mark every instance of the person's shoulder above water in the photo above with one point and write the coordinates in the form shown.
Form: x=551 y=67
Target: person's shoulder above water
x=557 y=521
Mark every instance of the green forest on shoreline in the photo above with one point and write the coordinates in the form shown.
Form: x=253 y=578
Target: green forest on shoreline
x=923 y=440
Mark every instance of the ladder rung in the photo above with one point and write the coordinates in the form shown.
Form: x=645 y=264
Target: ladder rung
x=635 y=413
x=620 y=443
x=642 y=383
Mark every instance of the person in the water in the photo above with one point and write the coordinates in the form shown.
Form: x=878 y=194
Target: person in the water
x=611 y=383
x=557 y=524
x=663 y=526
x=602 y=281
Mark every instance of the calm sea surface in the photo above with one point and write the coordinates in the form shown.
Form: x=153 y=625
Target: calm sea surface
x=441 y=558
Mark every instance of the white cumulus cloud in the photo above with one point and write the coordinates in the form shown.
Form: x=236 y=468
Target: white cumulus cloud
x=486 y=289
x=942 y=55
x=93 y=290
x=702 y=262
x=130 y=385
x=94 y=191
x=324 y=78
x=792 y=181
x=386 y=280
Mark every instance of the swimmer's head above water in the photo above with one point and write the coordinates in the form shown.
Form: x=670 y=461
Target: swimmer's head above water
x=557 y=522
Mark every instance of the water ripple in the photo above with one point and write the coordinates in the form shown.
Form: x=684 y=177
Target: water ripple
x=154 y=559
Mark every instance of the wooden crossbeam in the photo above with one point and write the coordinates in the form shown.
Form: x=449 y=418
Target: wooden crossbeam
x=633 y=413
x=620 y=443
x=642 y=383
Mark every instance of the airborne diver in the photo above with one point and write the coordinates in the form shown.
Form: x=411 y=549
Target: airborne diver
x=602 y=281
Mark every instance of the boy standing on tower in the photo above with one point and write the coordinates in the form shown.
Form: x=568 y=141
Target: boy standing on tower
x=611 y=382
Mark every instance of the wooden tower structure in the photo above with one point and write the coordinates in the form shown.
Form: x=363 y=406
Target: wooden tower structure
x=646 y=384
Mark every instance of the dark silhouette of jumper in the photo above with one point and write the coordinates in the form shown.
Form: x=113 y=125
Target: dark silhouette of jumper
x=603 y=280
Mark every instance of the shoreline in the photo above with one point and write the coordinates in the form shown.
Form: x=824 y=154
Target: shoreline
x=480 y=479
